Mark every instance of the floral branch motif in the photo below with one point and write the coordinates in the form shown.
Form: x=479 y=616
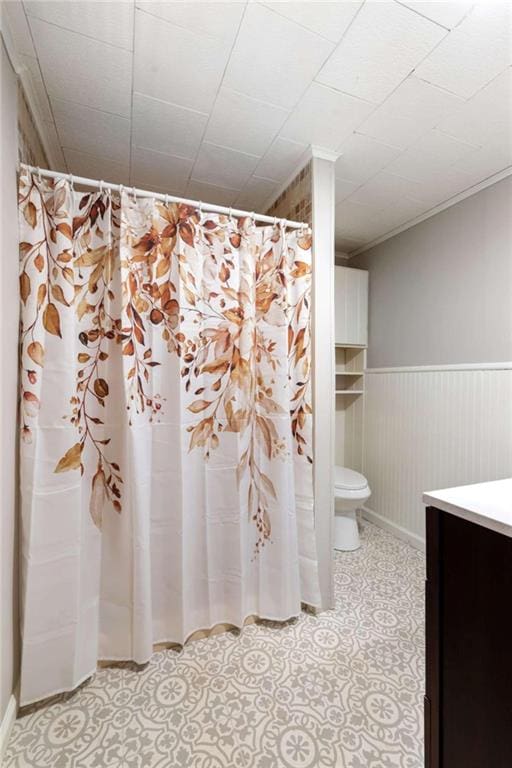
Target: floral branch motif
x=178 y=271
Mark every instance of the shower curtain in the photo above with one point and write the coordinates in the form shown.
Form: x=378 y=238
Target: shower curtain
x=166 y=457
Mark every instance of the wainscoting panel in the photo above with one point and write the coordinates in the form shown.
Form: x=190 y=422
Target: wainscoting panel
x=429 y=428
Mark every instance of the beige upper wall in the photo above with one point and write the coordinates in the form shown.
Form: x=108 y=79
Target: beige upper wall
x=441 y=292
x=8 y=381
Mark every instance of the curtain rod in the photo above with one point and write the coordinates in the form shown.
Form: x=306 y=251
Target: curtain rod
x=165 y=198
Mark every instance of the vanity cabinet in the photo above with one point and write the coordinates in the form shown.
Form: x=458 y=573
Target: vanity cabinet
x=351 y=307
x=468 y=701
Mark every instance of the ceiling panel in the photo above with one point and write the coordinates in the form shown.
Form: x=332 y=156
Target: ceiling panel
x=385 y=189
x=83 y=70
x=198 y=190
x=486 y=116
x=473 y=53
x=343 y=189
x=256 y=193
x=431 y=154
x=158 y=169
x=281 y=159
x=241 y=122
x=96 y=167
x=411 y=110
x=213 y=19
x=274 y=59
x=92 y=131
x=449 y=14
x=177 y=65
x=53 y=142
x=328 y=19
x=325 y=117
x=111 y=22
x=362 y=157
x=166 y=127
x=382 y=46
x=223 y=166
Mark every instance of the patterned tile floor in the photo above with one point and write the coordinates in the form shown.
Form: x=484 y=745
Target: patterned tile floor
x=339 y=690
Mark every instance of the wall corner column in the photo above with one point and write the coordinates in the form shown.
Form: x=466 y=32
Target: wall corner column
x=322 y=182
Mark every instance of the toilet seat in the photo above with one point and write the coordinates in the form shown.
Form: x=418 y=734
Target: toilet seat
x=349 y=480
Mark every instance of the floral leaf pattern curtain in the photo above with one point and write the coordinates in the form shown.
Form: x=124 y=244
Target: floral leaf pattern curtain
x=166 y=460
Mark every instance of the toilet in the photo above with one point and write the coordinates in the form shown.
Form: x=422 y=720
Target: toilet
x=351 y=491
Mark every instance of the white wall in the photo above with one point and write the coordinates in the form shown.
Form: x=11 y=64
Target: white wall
x=441 y=292
x=440 y=297
x=8 y=378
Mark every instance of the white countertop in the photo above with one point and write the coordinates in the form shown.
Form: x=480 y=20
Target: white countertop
x=486 y=504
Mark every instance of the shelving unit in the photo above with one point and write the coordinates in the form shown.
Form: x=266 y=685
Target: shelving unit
x=349 y=389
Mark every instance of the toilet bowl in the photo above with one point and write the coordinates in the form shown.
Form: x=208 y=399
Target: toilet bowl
x=351 y=491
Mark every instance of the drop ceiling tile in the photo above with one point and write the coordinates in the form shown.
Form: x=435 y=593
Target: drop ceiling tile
x=210 y=193
x=362 y=157
x=158 y=169
x=177 y=65
x=83 y=70
x=449 y=14
x=166 y=127
x=412 y=110
x=177 y=189
x=324 y=117
x=328 y=19
x=474 y=53
x=281 y=159
x=432 y=153
x=343 y=189
x=14 y=15
x=345 y=244
x=31 y=64
x=223 y=166
x=244 y=123
x=441 y=186
x=213 y=19
x=487 y=114
x=274 y=59
x=92 y=131
x=95 y=167
x=382 y=46
x=256 y=193
x=401 y=211
x=111 y=22
x=384 y=189
x=487 y=161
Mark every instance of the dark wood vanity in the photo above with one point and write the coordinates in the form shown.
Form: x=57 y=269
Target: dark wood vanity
x=468 y=701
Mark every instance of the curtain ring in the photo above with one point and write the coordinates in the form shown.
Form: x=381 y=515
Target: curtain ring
x=166 y=199
x=134 y=194
x=253 y=217
x=101 y=186
x=200 y=208
x=39 y=177
x=121 y=190
x=71 y=184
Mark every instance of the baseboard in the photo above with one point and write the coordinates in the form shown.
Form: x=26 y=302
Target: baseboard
x=6 y=724
x=401 y=533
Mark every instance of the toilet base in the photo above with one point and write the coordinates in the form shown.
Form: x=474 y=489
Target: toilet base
x=346 y=531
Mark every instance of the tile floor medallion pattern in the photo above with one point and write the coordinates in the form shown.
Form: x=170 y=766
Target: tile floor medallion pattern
x=338 y=690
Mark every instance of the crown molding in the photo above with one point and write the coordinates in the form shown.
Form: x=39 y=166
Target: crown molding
x=488 y=182
x=24 y=76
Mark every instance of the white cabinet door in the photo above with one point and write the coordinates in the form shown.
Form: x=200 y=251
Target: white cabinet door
x=351 y=306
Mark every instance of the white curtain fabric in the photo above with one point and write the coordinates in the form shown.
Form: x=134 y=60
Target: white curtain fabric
x=166 y=459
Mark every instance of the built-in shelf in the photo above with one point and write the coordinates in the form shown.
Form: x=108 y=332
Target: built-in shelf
x=343 y=372
x=349 y=391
